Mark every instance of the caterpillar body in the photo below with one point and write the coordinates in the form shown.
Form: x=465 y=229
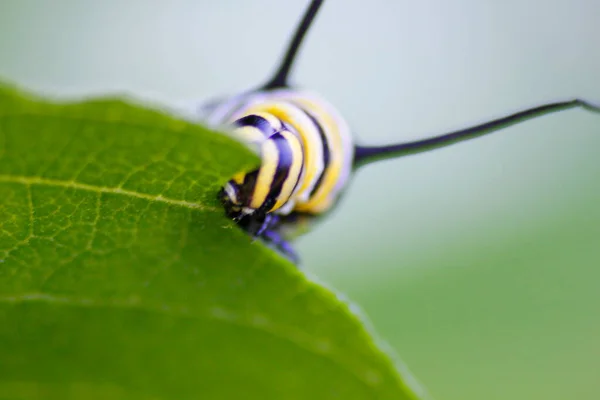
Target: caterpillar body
x=308 y=152
x=307 y=157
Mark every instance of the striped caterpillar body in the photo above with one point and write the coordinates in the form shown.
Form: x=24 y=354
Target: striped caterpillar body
x=307 y=156
x=308 y=152
x=306 y=147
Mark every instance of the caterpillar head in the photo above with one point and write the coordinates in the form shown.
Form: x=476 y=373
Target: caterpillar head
x=236 y=196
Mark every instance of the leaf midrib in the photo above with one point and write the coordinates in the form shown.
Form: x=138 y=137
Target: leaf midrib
x=71 y=184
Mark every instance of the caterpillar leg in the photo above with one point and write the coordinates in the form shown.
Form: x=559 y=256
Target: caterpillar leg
x=274 y=239
x=257 y=224
x=266 y=228
x=269 y=222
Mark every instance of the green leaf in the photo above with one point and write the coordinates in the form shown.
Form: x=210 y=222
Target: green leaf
x=121 y=278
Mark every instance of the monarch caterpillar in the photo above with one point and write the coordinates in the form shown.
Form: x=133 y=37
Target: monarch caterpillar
x=307 y=150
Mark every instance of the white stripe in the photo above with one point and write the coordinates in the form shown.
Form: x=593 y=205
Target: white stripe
x=231 y=193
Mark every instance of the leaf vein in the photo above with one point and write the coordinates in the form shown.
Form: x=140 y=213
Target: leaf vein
x=56 y=156
x=95 y=221
x=30 y=232
x=32 y=180
x=156 y=159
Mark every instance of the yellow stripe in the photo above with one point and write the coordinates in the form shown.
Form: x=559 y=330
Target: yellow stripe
x=254 y=137
x=294 y=173
x=266 y=174
x=239 y=178
x=309 y=135
x=322 y=199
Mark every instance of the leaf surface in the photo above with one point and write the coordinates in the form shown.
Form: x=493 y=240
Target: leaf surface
x=121 y=278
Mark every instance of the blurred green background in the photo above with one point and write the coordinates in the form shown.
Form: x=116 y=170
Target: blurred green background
x=478 y=263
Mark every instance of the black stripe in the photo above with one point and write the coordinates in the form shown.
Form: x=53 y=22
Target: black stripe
x=284 y=164
x=326 y=154
x=258 y=122
x=288 y=128
x=247 y=188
